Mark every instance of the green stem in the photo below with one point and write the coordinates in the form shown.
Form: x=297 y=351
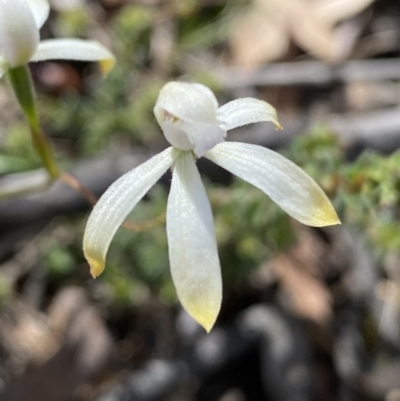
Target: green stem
x=21 y=82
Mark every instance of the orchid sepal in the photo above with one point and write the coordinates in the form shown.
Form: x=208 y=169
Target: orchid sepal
x=75 y=49
x=116 y=203
x=282 y=180
x=192 y=244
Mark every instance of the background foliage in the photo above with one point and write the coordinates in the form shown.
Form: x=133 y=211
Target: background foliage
x=330 y=282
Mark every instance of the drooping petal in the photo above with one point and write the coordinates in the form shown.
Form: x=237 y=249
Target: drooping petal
x=284 y=182
x=187 y=114
x=246 y=111
x=75 y=49
x=116 y=203
x=40 y=10
x=193 y=254
x=19 y=35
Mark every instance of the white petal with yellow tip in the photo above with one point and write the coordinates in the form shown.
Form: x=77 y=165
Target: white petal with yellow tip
x=193 y=254
x=246 y=111
x=116 y=203
x=284 y=182
x=75 y=49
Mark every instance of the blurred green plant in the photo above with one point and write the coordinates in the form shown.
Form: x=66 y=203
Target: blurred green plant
x=366 y=192
x=17 y=154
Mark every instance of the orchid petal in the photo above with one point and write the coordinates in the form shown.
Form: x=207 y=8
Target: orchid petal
x=75 y=49
x=40 y=10
x=19 y=35
x=246 y=111
x=187 y=114
x=193 y=254
x=284 y=182
x=116 y=203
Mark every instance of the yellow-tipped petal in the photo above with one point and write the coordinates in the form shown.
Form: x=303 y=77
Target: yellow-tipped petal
x=322 y=212
x=116 y=203
x=284 y=182
x=193 y=253
x=245 y=111
x=96 y=264
x=106 y=66
x=75 y=49
x=205 y=313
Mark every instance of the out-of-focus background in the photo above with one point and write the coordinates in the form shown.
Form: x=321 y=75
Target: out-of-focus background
x=308 y=314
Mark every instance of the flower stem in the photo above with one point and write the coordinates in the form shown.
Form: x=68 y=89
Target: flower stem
x=74 y=183
x=21 y=82
x=145 y=225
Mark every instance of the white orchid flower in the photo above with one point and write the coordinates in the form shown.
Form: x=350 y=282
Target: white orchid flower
x=194 y=125
x=20 y=21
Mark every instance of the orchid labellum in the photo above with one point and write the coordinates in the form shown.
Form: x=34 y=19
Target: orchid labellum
x=195 y=126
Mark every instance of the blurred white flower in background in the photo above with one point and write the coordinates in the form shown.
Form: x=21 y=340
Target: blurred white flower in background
x=20 y=22
x=195 y=126
x=263 y=34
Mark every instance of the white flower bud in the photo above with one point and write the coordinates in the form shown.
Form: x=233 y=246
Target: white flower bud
x=19 y=34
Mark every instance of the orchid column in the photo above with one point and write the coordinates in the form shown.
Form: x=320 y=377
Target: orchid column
x=20 y=21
